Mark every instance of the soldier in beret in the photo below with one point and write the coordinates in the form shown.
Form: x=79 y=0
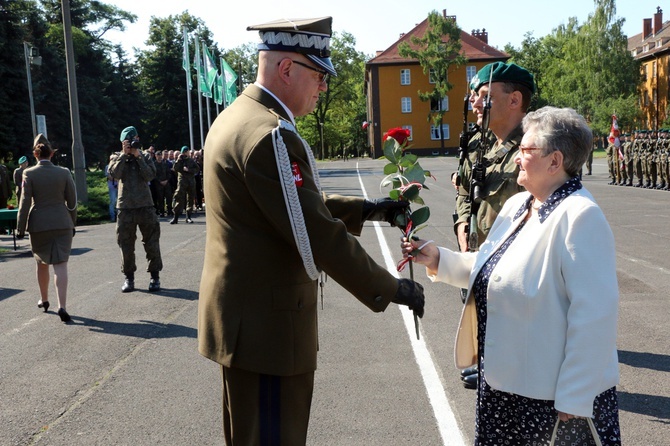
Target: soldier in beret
x=18 y=176
x=184 y=196
x=510 y=87
x=258 y=313
x=134 y=169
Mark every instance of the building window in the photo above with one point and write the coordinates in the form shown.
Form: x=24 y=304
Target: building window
x=470 y=72
x=405 y=78
x=653 y=69
x=432 y=76
x=411 y=133
x=443 y=105
x=435 y=132
x=406 y=105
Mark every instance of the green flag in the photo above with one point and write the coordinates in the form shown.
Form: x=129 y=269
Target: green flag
x=230 y=85
x=202 y=85
x=218 y=89
x=210 y=71
x=186 y=63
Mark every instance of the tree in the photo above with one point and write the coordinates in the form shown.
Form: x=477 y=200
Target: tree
x=437 y=51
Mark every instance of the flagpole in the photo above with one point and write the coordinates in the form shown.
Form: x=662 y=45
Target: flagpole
x=209 y=115
x=188 y=89
x=197 y=67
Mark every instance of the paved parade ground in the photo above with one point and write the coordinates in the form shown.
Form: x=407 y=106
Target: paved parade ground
x=127 y=371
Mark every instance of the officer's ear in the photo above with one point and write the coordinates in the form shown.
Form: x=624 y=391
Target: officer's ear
x=515 y=99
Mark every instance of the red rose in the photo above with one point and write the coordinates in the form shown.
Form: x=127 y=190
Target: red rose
x=399 y=134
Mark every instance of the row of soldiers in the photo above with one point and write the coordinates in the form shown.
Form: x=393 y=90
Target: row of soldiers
x=642 y=155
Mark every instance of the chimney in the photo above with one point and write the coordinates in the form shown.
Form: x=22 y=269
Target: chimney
x=481 y=35
x=658 y=20
x=646 y=28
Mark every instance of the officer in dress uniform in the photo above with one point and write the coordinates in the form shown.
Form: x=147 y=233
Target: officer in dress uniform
x=270 y=231
x=134 y=169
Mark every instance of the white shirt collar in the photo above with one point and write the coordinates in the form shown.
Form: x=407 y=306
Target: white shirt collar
x=288 y=112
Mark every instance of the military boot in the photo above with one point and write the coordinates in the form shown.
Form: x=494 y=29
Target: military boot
x=154 y=283
x=129 y=284
x=188 y=217
x=175 y=219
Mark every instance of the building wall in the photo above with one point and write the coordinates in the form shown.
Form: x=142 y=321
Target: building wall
x=655 y=112
x=385 y=107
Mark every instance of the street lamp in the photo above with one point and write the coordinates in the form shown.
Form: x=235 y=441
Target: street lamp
x=32 y=56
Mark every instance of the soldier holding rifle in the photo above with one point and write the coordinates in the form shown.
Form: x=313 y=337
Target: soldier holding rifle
x=500 y=96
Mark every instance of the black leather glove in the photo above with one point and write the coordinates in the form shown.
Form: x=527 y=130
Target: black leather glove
x=383 y=209
x=410 y=293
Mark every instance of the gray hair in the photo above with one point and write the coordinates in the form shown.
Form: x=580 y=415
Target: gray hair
x=561 y=129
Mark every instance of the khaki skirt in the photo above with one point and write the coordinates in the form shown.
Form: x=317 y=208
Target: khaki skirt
x=51 y=247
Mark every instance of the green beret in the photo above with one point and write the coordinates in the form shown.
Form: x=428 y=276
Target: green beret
x=128 y=133
x=184 y=149
x=23 y=159
x=502 y=72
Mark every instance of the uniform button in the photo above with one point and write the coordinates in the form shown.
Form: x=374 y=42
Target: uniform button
x=378 y=299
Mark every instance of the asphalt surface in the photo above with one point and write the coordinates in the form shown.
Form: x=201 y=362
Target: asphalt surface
x=127 y=371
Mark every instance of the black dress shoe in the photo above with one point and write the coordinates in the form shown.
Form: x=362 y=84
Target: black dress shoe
x=128 y=286
x=64 y=316
x=470 y=370
x=470 y=381
x=44 y=305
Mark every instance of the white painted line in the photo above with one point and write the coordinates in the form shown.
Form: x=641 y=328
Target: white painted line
x=446 y=421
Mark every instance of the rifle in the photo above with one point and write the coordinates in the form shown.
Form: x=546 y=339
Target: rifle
x=478 y=173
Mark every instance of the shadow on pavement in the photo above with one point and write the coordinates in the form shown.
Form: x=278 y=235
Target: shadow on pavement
x=651 y=361
x=143 y=329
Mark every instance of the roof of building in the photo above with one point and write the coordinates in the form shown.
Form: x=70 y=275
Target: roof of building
x=654 y=44
x=473 y=47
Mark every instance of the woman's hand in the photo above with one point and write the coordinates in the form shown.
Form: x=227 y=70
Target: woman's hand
x=422 y=252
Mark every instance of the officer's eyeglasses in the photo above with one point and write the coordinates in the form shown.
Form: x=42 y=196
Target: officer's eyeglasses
x=323 y=76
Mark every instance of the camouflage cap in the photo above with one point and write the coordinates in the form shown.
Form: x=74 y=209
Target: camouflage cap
x=128 y=133
x=502 y=72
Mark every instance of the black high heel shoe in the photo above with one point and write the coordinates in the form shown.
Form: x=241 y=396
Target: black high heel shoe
x=44 y=305
x=64 y=316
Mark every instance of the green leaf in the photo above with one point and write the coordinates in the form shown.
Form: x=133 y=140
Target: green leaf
x=418 y=200
x=412 y=192
x=415 y=174
x=408 y=160
x=394 y=194
x=400 y=220
x=390 y=150
x=390 y=168
x=420 y=216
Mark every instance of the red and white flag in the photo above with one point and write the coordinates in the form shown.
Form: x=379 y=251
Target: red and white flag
x=614 y=136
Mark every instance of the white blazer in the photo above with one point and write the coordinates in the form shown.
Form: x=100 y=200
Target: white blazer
x=552 y=304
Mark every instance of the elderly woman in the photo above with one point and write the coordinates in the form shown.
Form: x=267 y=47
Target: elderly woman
x=48 y=209
x=541 y=315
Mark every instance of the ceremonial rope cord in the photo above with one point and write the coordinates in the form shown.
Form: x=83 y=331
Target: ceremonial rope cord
x=290 y=192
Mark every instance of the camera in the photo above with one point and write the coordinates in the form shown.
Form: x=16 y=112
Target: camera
x=136 y=144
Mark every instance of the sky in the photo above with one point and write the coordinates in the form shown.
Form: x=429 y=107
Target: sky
x=374 y=24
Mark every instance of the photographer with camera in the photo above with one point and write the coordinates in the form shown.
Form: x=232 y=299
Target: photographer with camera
x=184 y=196
x=134 y=169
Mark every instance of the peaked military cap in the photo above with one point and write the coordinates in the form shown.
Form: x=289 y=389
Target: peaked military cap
x=310 y=37
x=128 y=133
x=502 y=72
x=41 y=139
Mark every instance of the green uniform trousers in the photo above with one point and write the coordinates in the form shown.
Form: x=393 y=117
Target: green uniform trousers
x=127 y=223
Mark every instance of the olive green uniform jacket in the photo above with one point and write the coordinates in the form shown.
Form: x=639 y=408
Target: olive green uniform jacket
x=257 y=304
x=134 y=175
x=499 y=182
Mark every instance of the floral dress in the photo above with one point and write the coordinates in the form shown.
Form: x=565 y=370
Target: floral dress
x=508 y=419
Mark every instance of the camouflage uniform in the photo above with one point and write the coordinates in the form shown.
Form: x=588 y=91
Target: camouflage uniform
x=184 y=196
x=136 y=208
x=609 y=151
x=637 y=157
x=499 y=183
x=628 y=160
x=662 y=149
x=619 y=172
